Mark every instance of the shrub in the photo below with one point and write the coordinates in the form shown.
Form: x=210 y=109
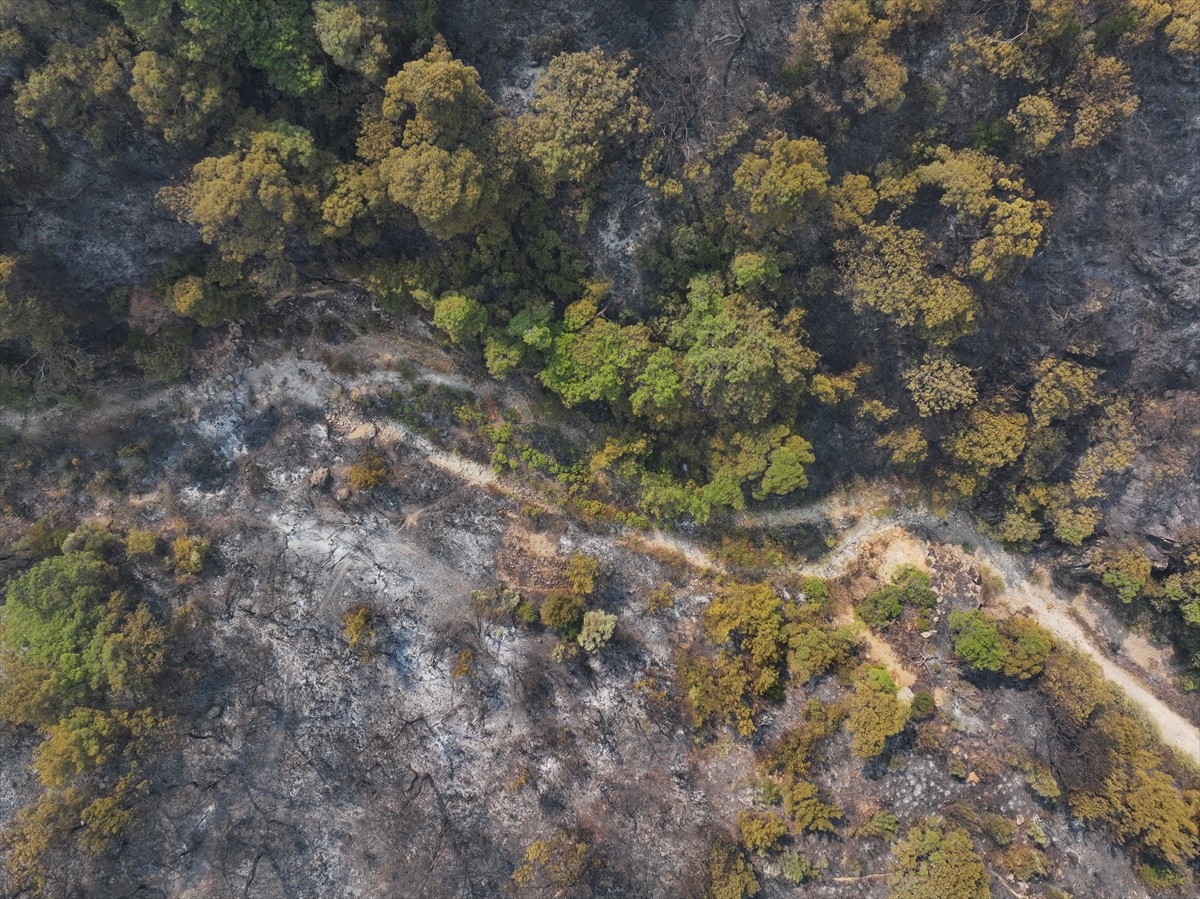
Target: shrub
x=761 y=831
x=140 y=542
x=188 y=555
x=923 y=706
x=582 y=573
x=999 y=829
x=597 y=630
x=1024 y=862
x=976 y=640
x=369 y=472
x=356 y=625
x=563 y=612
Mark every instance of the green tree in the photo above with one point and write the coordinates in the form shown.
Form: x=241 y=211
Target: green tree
x=354 y=35
x=282 y=45
x=888 y=269
x=249 y=202
x=183 y=99
x=761 y=831
x=564 y=612
x=461 y=317
x=875 y=713
x=935 y=863
x=939 y=384
x=55 y=621
x=781 y=183
x=1027 y=646
x=802 y=804
x=584 y=113
x=597 y=630
x=739 y=357
x=977 y=641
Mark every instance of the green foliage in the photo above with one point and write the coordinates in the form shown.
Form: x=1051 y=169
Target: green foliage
x=1124 y=567
x=803 y=806
x=564 y=612
x=781 y=183
x=935 y=863
x=249 y=202
x=353 y=35
x=730 y=876
x=596 y=631
x=1027 y=646
x=56 y=619
x=183 y=99
x=939 y=384
x=461 y=317
x=909 y=587
x=889 y=269
x=281 y=45
x=875 y=713
x=923 y=706
x=584 y=113
x=977 y=641
x=761 y=831
x=583 y=573
x=796 y=869
x=188 y=554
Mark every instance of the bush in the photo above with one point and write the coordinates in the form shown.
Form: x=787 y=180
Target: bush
x=582 y=573
x=368 y=472
x=597 y=630
x=563 y=612
x=976 y=640
x=761 y=831
x=140 y=542
x=923 y=706
x=188 y=555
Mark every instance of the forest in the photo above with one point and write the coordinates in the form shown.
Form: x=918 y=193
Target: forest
x=739 y=256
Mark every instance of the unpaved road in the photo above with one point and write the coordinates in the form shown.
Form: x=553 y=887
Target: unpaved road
x=1047 y=605
x=852 y=512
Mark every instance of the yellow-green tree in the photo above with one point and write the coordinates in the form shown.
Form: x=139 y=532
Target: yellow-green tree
x=585 y=112
x=249 y=202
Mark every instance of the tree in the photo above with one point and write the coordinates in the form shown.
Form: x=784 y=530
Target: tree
x=939 y=384
x=992 y=438
x=282 y=45
x=1027 y=646
x=79 y=87
x=781 y=183
x=564 y=612
x=584 y=113
x=353 y=35
x=737 y=355
x=183 y=99
x=1063 y=389
x=875 y=713
x=460 y=316
x=935 y=863
x=55 y=620
x=248 y=202
x=803 y=805
x=730 y=876
x=888 y=269
x=976 y=640
x=761 y=831
x=448 y=191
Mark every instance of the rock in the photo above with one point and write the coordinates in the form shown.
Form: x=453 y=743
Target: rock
x=320 y=479
x=972 y=778
x=363 y=432
x=925 y=635
x=215 y=712
x=342 y=494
